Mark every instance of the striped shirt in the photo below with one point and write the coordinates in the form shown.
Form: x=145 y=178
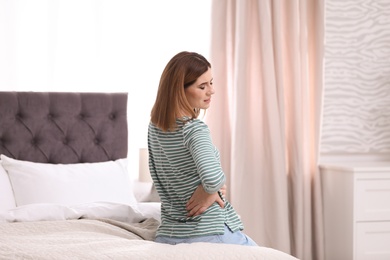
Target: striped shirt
x=179 y=161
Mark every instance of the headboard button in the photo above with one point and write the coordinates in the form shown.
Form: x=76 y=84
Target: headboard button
x=112 y=116
x=19 y=116
x=97 y=141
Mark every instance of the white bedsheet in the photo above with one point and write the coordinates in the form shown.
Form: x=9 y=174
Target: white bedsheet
x=108 y=239
x=103 y=230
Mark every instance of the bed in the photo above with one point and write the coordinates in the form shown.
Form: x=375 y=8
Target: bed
x=65 y=187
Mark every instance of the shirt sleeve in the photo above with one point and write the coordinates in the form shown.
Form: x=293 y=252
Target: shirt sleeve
x=198 y=140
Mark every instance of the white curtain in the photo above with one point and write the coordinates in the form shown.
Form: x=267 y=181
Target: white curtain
x=99 y=46
x=265 y=117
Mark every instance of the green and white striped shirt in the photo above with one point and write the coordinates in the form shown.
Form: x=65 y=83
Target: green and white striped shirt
x=179 y=161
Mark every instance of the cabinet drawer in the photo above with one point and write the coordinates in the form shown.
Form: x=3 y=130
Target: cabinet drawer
x=372 y=201
x=372 y=241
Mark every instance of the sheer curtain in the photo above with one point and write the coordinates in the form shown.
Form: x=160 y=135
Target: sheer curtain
x=267 y=64
x=99 y=46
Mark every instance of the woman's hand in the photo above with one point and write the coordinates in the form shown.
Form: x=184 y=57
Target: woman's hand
x=201 y=200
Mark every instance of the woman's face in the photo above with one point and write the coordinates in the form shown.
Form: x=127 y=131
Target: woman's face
x=199 y=93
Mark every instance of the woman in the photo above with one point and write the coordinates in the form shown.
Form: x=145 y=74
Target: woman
x=183 y=161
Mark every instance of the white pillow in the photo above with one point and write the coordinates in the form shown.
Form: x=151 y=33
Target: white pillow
x=7 y=199
x=108 y=210
x=150 y=210
x=55 y=212
x=39 y=212
x=145 y=192
x=69 y=184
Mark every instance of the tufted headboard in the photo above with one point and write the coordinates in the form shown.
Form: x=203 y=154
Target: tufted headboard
x=59 y=127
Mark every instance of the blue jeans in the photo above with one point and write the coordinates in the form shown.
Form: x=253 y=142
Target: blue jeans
x=228 y=237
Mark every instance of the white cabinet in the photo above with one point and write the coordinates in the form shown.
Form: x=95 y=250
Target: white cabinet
x=356 y=200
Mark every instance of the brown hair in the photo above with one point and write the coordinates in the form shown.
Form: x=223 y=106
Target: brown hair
x=180 y=72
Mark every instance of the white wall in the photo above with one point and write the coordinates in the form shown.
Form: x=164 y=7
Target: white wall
x=356 y=115
x=99 y=46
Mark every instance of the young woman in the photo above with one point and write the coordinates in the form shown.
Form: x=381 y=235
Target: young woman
x=183 y=161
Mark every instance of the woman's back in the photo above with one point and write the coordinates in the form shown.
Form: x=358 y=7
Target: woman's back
x=179 y=161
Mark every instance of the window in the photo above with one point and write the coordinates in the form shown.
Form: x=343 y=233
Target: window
x=99 y=46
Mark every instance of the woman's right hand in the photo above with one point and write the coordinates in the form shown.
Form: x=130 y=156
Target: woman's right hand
x=201 y=200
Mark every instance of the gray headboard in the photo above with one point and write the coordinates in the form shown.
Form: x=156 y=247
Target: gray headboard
x=59 y=127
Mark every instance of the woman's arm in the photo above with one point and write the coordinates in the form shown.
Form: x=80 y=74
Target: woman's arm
x=197 y=139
